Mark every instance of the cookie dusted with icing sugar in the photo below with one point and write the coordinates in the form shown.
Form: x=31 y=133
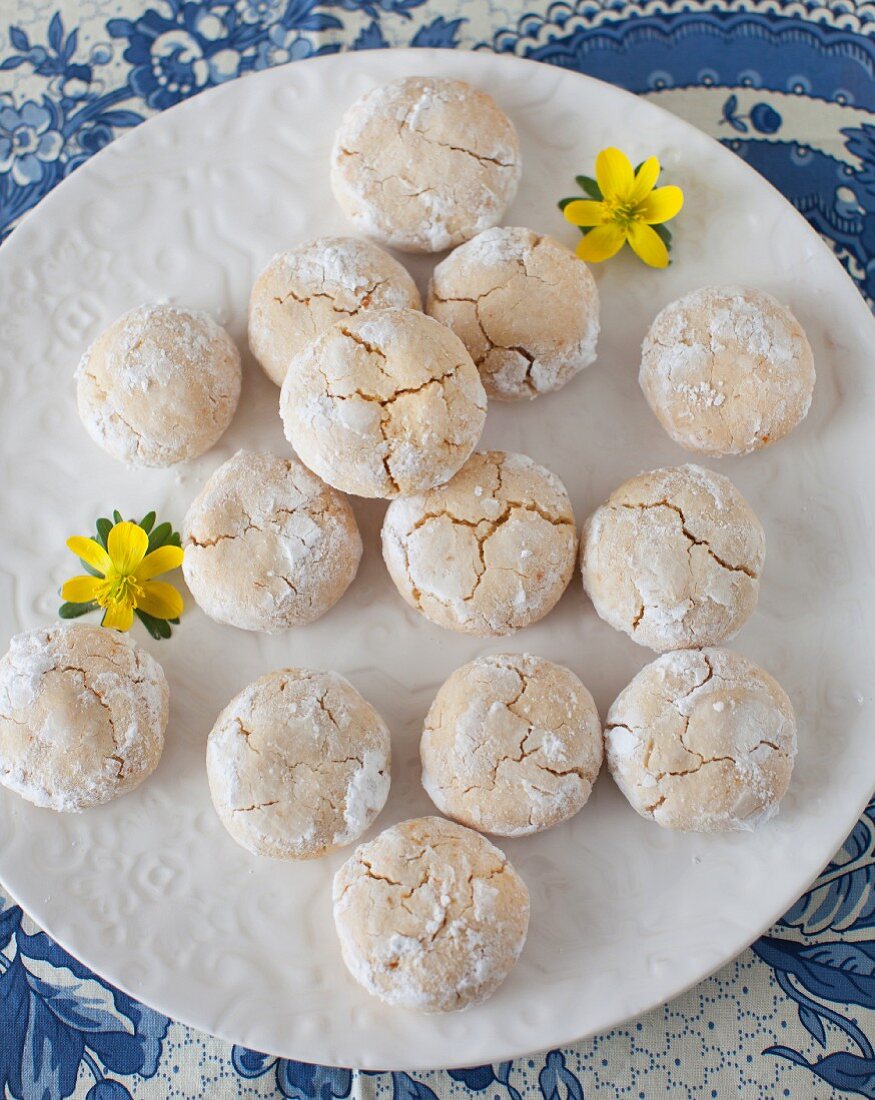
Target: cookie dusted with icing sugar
x=385 y=404
x=82 y=716
x=488 y=553
x=298 y=764
x=702 y=741
x=512 y=745
x=305 y=290
x=727 y=370
x=159 y=386
x=423 y=164
x=526 y=308
x=268 y=545
x=674 y=558
x=430 y=916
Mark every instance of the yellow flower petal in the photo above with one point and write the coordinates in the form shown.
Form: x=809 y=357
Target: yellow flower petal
x=613 y=172
x=585 y=212
x=645 y=180
x=648 y=245
x=661 y=205
x=161 y=560
x=119 y=616
x=127 y=544
x=160 y=600
x=601 y=243
x=90 y=551
x=82 y=589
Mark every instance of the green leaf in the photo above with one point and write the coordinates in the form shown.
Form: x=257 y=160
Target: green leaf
x=664 y=233
x=638 y=168
x=175 y=540
x=147 y=522
x=159 y=536
x=104 y=526
x=90 y=568
x=590 y=186
x=74 y=610
x=117 y=516
x=158 y=628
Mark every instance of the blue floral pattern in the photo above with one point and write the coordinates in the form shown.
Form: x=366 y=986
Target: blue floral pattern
x=59 y=1017
x=68 y=91
x=29 y=141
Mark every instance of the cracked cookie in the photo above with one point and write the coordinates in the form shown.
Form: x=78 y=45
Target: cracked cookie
x=702 y=741
x=82 y=716
x=423 y=164
x=430 y=915
x=385 y=404
x=298 y=764
x=304 y=291
x=525 y=307
x=268 y=545
x=674 y=558
x=489 y=552
x=512 y=745
x=159 y=386
x=727 y=370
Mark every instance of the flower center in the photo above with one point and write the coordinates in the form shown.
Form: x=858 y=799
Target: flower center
x=624 y=213
x=119 y=588
x=24 y=139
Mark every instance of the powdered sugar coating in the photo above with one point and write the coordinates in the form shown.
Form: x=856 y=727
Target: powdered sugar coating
x=159 y=386
x=526 y=308
x=430 y=916
x=82 y=716
x=702 y=741
x=384 y=404
x=512 y=745
x=298 y=764
x=268 y=545
x=489 y=552
x=673 y=558
x=305 y=290
x=727 y=370
x=423 y=164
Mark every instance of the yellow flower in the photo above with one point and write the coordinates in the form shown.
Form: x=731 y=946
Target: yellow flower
x=629 y=208
x=125 y=583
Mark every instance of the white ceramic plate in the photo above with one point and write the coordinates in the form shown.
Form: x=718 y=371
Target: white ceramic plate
x=151 y=891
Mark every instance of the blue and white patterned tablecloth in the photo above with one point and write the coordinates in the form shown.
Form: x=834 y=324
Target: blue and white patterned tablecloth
x=790 y=87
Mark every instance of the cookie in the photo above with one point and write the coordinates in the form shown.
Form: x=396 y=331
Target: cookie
x=727 y=370
x=423 y=164
x=430 y=915
x=159 y=386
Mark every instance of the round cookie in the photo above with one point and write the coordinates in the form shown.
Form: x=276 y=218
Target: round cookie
x=525 y=307
x=674 y=558
x=430 y=915
x=423 y=164
x=489 y=552
x=512 y=745
x=298 y=764
x=159 y=386
x=268 y=545
x=702 y=741
x=82 y=716
x=727 y=370
x=304 y=291
x=385 y=404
